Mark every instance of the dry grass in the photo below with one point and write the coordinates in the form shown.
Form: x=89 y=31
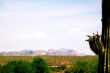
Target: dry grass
x=51 y=60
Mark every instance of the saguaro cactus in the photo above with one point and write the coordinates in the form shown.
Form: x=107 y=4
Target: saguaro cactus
x=102 y=46
x=106 y=32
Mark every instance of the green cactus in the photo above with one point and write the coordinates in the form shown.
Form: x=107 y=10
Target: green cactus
x=101 y=45
x=95 y=44
x=106 y=33
x=97 y=47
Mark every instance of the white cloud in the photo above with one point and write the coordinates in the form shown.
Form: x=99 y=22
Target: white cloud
x=39 y=35
x=19 y=36
x=1 y=32
x=75 y=32
x=26 y=36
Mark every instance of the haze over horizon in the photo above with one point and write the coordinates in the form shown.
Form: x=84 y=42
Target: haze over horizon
x=46 y=24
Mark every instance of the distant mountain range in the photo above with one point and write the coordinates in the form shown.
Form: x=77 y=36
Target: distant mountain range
x=51 y=52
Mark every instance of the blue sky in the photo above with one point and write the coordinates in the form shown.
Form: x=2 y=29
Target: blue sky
x=46 y=24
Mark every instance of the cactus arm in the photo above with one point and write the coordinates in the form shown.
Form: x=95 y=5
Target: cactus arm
x=95 y=44
x=97 y=47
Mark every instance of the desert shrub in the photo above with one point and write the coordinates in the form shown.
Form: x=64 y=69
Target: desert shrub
x=23 y=67
x=40 y=66
x=17 y=67
x=93 y=67
x=80 y=67
x=67 y=70
x=9 y=67
x=1 y=70
x=63 y=67
x=85 y=67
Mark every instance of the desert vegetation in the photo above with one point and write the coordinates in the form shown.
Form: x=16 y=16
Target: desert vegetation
x=48 y=64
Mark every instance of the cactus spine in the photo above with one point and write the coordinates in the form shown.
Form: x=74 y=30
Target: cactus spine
x=101 y=45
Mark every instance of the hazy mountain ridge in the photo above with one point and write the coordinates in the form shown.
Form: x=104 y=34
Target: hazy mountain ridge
x=51 y=52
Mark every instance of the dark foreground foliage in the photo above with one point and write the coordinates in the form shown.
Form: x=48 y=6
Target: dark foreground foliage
x=39 y=65
x=85 y=67
x=17 y=67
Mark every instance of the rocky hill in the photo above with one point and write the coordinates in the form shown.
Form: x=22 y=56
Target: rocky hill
x=52 y=52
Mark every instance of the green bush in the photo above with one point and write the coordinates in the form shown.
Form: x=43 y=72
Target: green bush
x=23 y=67
x=63 y=67
x=85 y=67
x=93 y=67
x=9 y=67
x=17 y=67
x=1 y=70
x=37 y=66
x=67 y=70
x=80 y=67
x=40 y=66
